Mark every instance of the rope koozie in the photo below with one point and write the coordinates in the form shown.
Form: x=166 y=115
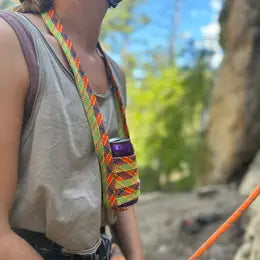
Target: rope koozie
x=120 y=181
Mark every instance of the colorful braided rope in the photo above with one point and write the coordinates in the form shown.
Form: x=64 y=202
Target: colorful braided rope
x=94 y=117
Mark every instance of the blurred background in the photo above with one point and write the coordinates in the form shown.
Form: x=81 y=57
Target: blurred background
x=193 y=82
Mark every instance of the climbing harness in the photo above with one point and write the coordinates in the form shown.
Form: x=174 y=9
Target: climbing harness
x=231 y=220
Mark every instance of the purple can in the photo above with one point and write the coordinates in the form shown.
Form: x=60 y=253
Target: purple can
x=121 y=146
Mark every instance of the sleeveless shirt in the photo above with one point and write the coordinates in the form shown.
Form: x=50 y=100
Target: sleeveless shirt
x=59 y=183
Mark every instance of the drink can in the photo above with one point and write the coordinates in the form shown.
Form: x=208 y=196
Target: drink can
x=121 y=146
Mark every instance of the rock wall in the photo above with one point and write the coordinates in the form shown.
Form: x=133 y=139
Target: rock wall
x=234 y=128
x=250 y=249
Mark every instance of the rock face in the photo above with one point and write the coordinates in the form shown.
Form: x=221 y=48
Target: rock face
x=250 y=250
x=234 y=128
x=251 y=180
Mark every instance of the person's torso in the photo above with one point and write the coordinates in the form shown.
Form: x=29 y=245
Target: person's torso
x=59 y=187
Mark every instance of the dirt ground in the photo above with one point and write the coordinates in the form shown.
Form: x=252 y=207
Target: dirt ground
x=160 y=219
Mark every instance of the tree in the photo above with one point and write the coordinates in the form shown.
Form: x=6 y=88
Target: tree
x=164 y=114
x=173 y=35
x=118 y=26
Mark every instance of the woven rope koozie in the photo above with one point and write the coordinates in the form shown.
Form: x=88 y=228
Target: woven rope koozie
x=119 y=174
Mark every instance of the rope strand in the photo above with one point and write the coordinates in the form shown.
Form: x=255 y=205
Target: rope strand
x=231 y=220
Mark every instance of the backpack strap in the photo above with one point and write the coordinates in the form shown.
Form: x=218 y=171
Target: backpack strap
x=28 y=47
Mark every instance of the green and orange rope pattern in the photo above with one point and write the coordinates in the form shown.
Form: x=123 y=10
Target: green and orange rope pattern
x=111 y=198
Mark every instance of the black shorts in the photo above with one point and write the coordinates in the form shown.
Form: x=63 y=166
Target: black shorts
x=49 y=250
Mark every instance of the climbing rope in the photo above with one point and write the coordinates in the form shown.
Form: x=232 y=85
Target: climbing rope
x=231 y=220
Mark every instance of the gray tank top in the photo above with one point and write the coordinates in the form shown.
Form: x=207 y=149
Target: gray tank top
x=59 y=187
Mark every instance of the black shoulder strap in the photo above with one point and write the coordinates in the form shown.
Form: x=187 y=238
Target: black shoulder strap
x=27 y=44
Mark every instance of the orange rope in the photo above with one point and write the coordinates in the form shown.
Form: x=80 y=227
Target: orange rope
x=234 y=217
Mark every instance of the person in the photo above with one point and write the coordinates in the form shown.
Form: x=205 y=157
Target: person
x=50 y=185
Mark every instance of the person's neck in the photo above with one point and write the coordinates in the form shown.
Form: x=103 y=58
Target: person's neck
x=82 y=21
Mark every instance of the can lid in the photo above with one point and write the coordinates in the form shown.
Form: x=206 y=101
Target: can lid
x=119 y=140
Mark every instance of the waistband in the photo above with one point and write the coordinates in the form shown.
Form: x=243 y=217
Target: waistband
x=47 y=247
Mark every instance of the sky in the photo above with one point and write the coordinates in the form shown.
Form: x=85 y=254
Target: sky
x=198 y=21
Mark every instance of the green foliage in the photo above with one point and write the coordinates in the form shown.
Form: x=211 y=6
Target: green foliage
x=117 y=28
x=122 y=20
x=164 y=114
x=4 y=4
x=8 y=4
x=148 y=108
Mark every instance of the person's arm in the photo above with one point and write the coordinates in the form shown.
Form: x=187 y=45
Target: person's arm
x=125 y=229
x=127 y=234
x=14 y=82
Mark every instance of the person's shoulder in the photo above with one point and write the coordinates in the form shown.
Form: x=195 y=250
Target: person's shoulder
x=121 y=79
x=7 y=34
x=11 y=54
x=9 y=43
x=114 y=63
x=119 y=70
